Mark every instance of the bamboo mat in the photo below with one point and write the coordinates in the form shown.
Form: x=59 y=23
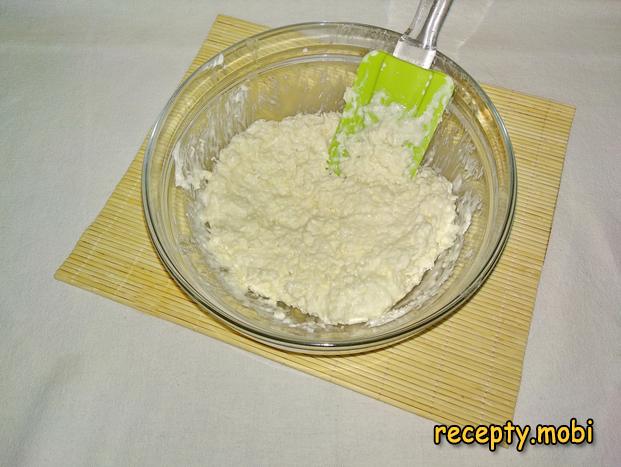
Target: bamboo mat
x=466 y=370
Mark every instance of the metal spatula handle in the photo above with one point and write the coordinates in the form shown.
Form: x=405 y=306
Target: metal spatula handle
x=418 y=43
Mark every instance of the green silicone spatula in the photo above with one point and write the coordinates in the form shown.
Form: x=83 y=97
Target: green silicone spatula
x=403 y=78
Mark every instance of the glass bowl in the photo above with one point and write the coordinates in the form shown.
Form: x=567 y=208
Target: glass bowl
x=306 y=68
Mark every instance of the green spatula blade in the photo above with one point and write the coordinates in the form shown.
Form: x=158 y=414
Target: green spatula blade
x=418 y=90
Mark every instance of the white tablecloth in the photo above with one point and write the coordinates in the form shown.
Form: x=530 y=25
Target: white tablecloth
x=85 y=381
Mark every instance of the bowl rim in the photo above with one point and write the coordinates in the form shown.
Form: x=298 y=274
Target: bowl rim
x=331 y=347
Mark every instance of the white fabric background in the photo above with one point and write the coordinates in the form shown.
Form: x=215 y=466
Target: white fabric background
x=85 y=381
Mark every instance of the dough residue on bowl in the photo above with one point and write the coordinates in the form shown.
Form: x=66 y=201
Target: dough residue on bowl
x=344 y=249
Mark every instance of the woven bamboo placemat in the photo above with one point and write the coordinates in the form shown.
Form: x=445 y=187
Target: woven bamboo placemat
x=466 y=370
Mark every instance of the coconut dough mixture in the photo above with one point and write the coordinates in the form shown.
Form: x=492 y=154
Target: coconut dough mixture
x=343 y=248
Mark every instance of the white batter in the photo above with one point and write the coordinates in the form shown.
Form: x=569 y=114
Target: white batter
x=345 y=249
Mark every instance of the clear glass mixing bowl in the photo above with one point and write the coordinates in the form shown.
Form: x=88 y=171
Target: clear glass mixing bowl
x=306 y=68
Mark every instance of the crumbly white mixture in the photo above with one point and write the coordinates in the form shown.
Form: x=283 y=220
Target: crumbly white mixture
x=346 y=248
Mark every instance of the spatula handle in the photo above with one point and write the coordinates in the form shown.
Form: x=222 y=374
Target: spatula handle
x=427 y=22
